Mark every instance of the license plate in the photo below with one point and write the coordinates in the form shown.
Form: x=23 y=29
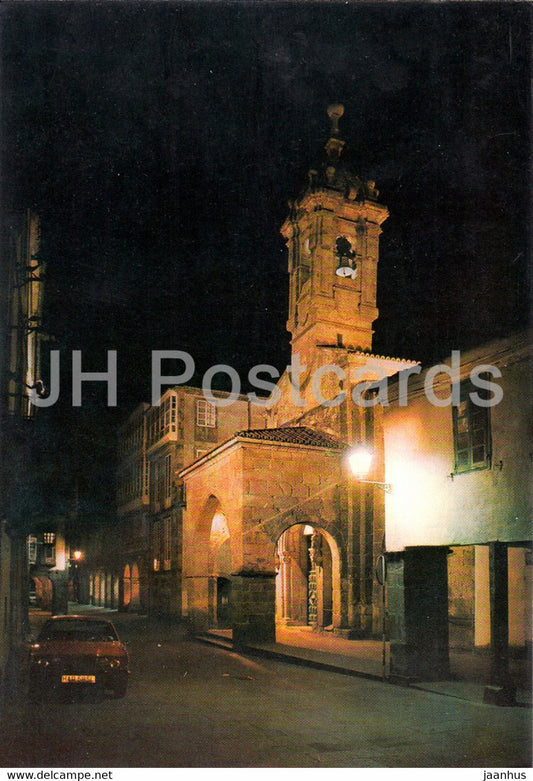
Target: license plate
x=78 y=679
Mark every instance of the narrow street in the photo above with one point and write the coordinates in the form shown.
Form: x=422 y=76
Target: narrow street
x=192 y=705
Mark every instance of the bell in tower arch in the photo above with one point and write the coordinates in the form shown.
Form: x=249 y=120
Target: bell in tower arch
x=345 y=258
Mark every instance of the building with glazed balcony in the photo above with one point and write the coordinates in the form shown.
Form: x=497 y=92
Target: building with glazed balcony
x=155 y=443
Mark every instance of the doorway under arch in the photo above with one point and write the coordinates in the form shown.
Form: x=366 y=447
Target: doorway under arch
x=219 y=568
x=305 y=580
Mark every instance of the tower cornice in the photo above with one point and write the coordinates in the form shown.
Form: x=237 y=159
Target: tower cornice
x=312 y=202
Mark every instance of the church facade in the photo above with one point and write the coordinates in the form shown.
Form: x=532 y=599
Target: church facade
x=272 y=516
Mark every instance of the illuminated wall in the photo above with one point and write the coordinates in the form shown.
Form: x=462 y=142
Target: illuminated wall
x=430 y=503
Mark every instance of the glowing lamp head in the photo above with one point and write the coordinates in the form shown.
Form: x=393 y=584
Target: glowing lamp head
x=359 y=460
x=77 y=555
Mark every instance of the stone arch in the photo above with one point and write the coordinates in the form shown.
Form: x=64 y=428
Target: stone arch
x=220 y=568
x=219 y=555
x=135 y=586
x=202 y=532
x=42 y=586
x=131 y=587
x=214 y=556
x=98 y=588
x=308 y=580
x=126 y=581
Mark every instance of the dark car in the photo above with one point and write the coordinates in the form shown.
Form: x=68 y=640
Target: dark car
x=74 y=652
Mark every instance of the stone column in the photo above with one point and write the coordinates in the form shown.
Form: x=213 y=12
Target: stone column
x=315 y=605
x=499 y=613
x=502 y=690
x=253 y=607
x=198 y=603
x=417 y=586
x=59 y=580
x=399 y=661
x=285 y=590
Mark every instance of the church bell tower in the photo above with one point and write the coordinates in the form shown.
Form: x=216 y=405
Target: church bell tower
x=332 y=233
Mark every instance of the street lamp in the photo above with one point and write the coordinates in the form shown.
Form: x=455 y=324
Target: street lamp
x=359 y=459
x=75 y=559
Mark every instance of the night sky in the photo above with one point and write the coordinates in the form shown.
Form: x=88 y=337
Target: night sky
x=160 y=142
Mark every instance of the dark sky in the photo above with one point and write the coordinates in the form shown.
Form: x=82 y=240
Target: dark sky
x=159 y=142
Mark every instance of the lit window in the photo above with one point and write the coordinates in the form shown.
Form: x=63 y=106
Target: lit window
x=49 y=548
x=206 y=414
x=471 y=432
x=157 y=544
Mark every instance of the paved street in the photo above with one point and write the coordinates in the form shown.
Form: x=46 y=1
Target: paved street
x=193 y=705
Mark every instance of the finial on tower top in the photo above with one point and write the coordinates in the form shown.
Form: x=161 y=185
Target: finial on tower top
x=335 y=112
x=334 y=146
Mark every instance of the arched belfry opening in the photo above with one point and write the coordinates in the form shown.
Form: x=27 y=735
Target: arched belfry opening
x=307 y=570
x=219 y=568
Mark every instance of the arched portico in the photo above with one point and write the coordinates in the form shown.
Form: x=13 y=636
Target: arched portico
x=240 y=498
x=126 y=587
x=208 y=564
x=308 y=577
x=219 y=569
x=131 y=587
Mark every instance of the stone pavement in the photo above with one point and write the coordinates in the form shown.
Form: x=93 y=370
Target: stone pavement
x=370 y=659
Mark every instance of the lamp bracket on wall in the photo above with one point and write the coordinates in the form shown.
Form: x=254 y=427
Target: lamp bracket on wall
x=387 y=487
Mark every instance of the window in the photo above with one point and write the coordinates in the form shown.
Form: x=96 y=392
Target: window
x=162 y=544
x=49 y=548
x=206 y=414
x=167 y=544
x=154 y=482
x=471 y=432
x=168 y=476
x=32 y=550
x=162 y=420
x=157 y=544
x=146 y=477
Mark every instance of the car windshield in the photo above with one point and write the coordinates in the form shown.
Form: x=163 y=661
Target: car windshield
x=78 y=631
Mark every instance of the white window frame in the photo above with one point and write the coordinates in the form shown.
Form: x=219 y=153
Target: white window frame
x=206 y=414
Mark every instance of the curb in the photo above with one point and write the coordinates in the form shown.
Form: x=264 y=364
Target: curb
x=226 y=645
x=289 y=658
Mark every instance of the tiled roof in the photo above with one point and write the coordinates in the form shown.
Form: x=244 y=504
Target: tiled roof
x=294 y=435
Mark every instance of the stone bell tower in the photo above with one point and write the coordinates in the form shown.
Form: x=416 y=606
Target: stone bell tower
x=332 y=233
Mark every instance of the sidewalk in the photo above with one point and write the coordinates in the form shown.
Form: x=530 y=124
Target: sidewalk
x=364 y=658
x=361 y=658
